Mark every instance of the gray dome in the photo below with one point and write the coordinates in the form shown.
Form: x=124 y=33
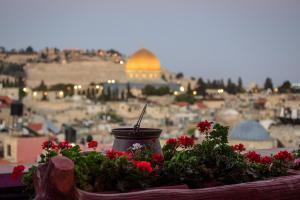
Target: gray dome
x=250 y=130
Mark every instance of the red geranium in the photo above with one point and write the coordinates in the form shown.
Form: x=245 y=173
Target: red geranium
x=284 y=156
x=172 y=141
x=204 y=126
x=112 y=154
x=65 y=145
x=266 y=160
x=143 y=166
x=238 y=147
x=48 y=145
x=253 y=156
x=157 y=157
x=93 y=144
x=185 y=141
x=17 y=171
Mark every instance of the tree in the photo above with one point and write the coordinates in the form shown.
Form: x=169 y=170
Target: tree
x=179 y=75
x=285 y=87
x=41 y=87
x=201 y=87
x=189 y=89
x=163 y=77
x=268 y=84
x=240 y=85
x=231 y=87
x=129 y=94
x=185 y=98
x=29 y=50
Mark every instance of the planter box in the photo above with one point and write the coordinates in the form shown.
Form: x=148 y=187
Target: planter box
x=56 y=181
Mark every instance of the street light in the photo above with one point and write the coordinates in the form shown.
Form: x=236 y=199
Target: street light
x=194 y=92
x=176 y=93
x=181 y=89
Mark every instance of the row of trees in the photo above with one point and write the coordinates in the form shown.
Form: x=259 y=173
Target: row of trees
x=27 y=50
x=230 y=87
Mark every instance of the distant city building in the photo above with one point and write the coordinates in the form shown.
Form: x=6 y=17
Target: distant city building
x=253 y=135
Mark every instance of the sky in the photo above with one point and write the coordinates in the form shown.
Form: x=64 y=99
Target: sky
x=212 y=39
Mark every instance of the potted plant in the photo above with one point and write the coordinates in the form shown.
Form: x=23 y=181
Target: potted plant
x=213 y=162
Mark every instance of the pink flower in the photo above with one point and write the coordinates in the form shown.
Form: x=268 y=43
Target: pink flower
x=93 y=144
x=17 y=171
x=204 y=126
x=297 y=162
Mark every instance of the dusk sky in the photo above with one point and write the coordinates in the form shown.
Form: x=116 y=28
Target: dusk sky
x=211 y=39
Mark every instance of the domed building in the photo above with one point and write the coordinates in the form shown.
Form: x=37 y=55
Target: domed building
x=142 y=68
x=143 y=64
x=252 y=134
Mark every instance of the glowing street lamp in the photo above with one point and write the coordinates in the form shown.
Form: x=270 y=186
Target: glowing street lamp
x=181 y=89
x=176 y=93
x=194 y=92
x=75 y=87
x=97 y=86
x=34 y=94
x=61 y=94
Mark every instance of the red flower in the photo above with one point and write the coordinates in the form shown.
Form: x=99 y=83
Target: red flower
x=93 y=144
x=65 y=145
x=186 y=141
x=112 y=154
x=253 y=156
x=238 y=147
x=48 y=145
x=204 y=126
x=284 y=156
x=172 y=141
x=17 y=171
x=157 y=157
x=144 y=166
x=266 y=160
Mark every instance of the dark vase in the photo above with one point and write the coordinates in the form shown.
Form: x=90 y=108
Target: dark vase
x=126 y=137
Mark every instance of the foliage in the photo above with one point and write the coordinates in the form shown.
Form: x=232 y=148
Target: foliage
x=211 y=162
x=151 y=90
x=111 y=117
x=186 y=98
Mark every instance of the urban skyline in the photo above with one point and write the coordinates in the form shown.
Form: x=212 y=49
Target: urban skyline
x=212 y=40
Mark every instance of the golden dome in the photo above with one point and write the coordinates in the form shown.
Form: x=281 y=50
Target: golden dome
x=143 y=60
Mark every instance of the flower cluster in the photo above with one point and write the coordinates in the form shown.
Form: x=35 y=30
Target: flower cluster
x=93 y=144
x=112 y=154
x=252 y=156
x=64 y=145
x=266 y=160
x=186 y=141
x=157 y=157
x=137 y=146
x=143 y=166
x=238 y=147
x=283 y=156
x=49 y=145
x=204 y=126
x=17 y=171
x=172 y=141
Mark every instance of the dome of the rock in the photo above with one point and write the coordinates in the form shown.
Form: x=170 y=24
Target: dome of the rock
x=143 y=60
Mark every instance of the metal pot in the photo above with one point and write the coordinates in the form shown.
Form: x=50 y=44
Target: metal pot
x=126 y=137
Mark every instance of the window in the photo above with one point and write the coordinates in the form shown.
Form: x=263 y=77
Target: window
x=8 y=150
